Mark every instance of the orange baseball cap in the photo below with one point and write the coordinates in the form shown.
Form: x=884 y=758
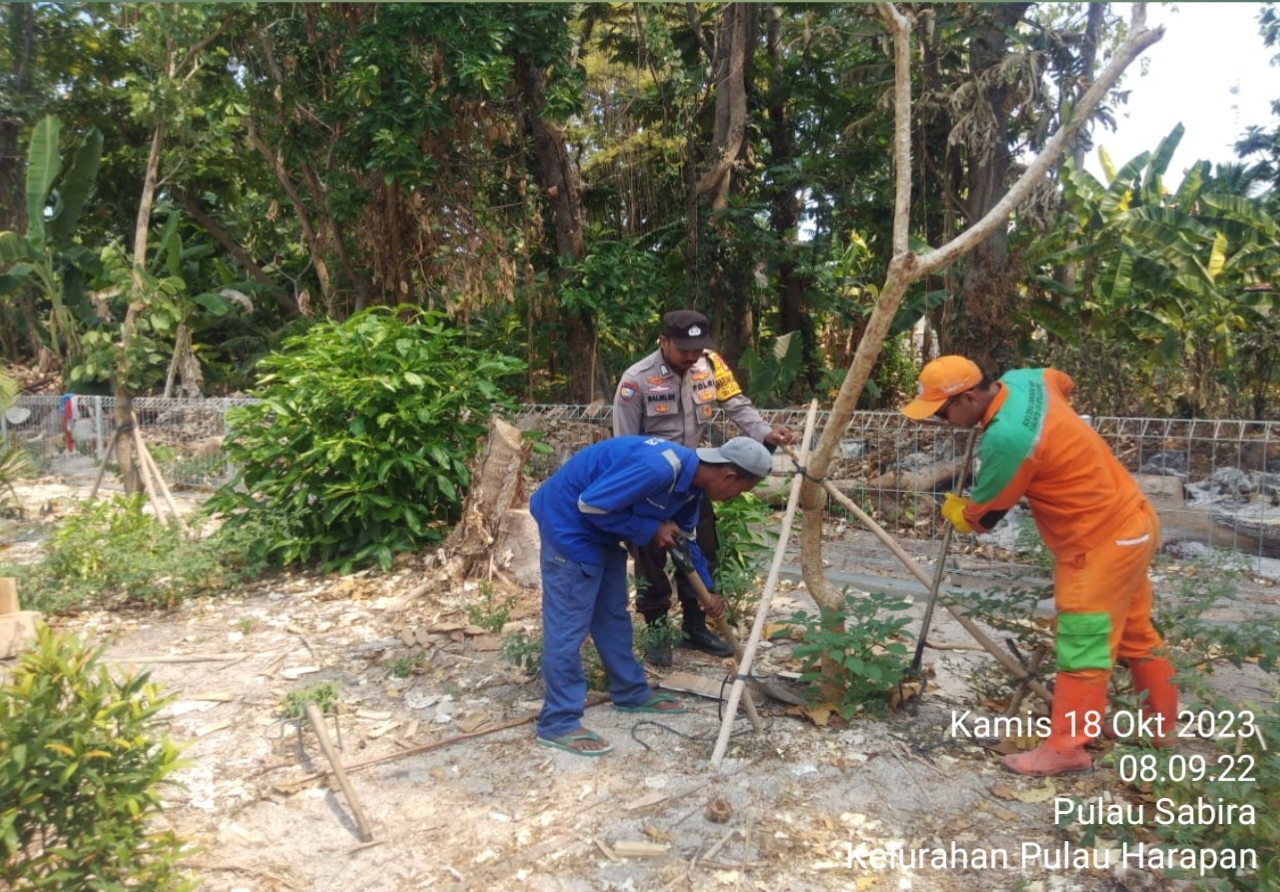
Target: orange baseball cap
x=939 y=381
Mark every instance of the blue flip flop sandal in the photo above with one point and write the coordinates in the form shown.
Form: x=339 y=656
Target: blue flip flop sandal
x=564 y=743
x=651 y=705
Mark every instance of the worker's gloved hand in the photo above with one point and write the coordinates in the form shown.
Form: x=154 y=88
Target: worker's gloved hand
x=953 y=510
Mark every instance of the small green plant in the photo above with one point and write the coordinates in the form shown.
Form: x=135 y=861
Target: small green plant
x=658 y=634
x=404 y=666
x=746 y=544
x=111 y=550
x=245 y=625
x=593 y=668
x=522 y=650
x=323 y=694
x=492 y=613
x=83 y=761
x=856 y=648
x=1241 y=772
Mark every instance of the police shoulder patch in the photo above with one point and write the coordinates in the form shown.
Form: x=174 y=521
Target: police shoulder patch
x=627 y=391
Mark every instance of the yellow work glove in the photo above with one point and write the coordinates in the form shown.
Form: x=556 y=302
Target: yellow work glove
x=953 y=510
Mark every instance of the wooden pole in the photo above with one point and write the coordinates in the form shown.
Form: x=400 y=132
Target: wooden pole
x=102 y=469
x=1005 y=659
x=145 y=473
x=146 y=459
x=317 y=722
x=762 y=610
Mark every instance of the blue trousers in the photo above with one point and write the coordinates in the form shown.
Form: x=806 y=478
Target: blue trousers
x=578 y=599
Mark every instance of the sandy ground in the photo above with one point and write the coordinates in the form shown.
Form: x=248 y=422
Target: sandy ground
x=457 y=795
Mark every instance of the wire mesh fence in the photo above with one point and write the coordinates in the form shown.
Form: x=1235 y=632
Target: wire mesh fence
x=71 y=435
x=1216 y=483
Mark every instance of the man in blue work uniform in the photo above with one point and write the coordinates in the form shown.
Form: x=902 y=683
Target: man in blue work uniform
x=672 y=393
x=637 y=489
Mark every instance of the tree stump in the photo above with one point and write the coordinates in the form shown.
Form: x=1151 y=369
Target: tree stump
x=473 y=549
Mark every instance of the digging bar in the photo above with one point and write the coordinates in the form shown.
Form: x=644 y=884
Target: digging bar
x=684 y=563
x=940 y=570
x=685 y=566
x=1005 y=659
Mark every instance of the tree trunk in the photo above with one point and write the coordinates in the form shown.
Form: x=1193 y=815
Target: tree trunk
x=21 y=38
x=784 y=209
x=906 y=267
x=473 y=549
x=734 y=47
x=988 y=292
x=561 y=190
x=1066 y=274
x=729 y=280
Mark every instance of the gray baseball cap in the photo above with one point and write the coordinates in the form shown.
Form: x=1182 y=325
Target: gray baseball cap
x=744 y=452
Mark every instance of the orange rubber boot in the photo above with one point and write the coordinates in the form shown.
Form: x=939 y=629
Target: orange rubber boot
x=1077 y=703
x=1156 y=715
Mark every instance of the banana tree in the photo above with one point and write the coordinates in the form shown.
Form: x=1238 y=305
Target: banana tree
x=1176 y=278
x=46 y=267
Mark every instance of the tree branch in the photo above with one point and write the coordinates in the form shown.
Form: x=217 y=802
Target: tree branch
x=1139 y=38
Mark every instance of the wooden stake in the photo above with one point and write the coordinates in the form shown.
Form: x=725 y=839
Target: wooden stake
x=417 y=750
x=317 y=722
x=762 y=610
x=145 y=472
x=148 y=461
x=102 y=469
x=8 y=595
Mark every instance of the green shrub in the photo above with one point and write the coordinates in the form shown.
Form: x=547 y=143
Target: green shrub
x=359 y=446
x=746 y=547
x=1248 y=759
x=856 y=642
x=110 y=549
x=82 y=761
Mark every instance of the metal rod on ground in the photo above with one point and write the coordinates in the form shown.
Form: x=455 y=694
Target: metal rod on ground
x=1005 y=660
x=762 y=610
x=941 y=570
x=317 y=722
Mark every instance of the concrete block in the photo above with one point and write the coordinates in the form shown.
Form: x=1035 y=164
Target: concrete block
x=17 y=630
x=1162 y=491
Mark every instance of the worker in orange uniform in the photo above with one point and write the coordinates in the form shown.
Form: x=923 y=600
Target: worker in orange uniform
x=1094 y=519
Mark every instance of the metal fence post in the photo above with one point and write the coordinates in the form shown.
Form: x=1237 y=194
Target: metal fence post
x=97 y=424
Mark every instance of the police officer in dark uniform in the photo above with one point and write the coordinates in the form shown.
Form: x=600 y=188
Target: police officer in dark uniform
x=671 y=394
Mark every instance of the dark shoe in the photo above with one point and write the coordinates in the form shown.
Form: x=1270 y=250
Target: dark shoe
x=657 y=654
x=707 y=643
